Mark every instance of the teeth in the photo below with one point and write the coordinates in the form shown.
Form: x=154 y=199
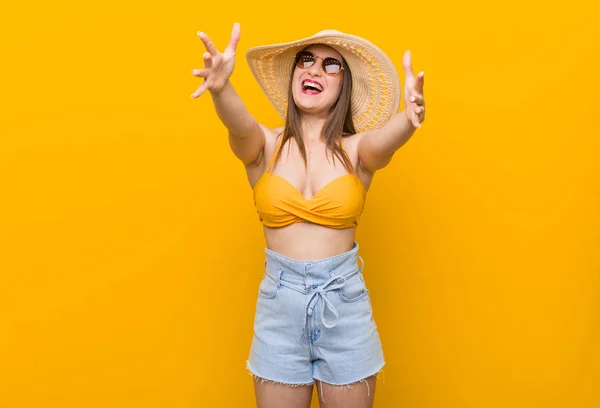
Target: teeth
x=312 y=85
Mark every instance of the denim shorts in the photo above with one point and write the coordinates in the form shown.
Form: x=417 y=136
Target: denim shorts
x=314 y=321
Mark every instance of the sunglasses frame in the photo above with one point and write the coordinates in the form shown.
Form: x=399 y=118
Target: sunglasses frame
x=297 y=60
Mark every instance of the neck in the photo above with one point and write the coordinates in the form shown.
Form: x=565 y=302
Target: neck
x=312 y=126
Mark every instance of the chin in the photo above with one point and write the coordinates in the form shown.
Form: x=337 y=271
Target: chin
x=312 y=106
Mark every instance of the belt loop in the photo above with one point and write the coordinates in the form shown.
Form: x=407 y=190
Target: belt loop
x=362 y=261
x=279 y=273
x=277 y=276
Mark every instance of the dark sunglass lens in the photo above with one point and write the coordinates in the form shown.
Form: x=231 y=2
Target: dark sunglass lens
x=331 y=65
x=305 y=59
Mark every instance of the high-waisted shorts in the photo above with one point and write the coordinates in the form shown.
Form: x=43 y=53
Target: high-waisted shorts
x=314 y=321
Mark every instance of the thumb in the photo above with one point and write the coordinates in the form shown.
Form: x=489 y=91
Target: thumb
x=235 y=38
x=407 y=64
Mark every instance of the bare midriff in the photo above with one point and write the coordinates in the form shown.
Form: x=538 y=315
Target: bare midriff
x=309 y=242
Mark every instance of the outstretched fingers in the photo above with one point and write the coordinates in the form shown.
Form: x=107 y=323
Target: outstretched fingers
x=200 y=90
x=418 y=99
x=413 y=91
x=201 y=73
x=208 y=44
x=235 y=38
x=420 y=82
x=207 y=60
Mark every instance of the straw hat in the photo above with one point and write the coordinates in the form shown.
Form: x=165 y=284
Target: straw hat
x=375 y=83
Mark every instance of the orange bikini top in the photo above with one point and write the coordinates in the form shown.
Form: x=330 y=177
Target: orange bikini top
x=339 y=204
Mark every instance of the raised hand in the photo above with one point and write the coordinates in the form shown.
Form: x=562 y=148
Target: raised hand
x=413 y=93
x=218 y=67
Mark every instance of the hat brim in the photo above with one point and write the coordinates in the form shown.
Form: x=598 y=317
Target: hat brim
x=375 y=83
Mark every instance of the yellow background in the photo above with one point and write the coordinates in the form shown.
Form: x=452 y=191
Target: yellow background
x=130 y=250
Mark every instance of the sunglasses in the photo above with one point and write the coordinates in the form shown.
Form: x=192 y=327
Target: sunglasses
x=330 y=66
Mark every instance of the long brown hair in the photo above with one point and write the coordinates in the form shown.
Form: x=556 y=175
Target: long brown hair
x=338 y=124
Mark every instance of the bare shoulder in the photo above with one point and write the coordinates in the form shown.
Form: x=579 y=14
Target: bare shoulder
x=271 y=139
x=351 y=144
x=351 y=141
x=255 y=170
x=271 y=134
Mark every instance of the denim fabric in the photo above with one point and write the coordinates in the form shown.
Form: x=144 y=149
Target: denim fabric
x=314 y=321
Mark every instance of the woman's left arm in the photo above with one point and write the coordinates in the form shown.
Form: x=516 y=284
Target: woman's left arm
x=376 y=148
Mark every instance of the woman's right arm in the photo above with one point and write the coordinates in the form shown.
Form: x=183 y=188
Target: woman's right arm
x=246 y=136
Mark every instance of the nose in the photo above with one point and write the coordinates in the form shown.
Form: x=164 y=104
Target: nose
x=315 y=69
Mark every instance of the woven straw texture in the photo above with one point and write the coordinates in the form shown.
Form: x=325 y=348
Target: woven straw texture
x=375 y=83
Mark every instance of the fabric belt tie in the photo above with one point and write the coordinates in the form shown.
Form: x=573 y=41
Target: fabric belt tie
x=333 y=283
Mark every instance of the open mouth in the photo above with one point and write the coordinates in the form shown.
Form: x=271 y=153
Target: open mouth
x=311 y=87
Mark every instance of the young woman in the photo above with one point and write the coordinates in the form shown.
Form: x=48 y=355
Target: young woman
x=338 y=95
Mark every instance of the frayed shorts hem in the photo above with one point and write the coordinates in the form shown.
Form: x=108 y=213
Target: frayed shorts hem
x=352 y=381
x=263 y=378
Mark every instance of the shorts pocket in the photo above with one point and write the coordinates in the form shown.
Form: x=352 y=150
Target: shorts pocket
x=268 y=288
x=354 y=290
